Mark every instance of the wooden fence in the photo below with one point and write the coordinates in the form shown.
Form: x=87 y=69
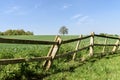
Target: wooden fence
x=55 y=46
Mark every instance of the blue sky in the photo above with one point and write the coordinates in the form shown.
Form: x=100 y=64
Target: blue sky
x=45 y=17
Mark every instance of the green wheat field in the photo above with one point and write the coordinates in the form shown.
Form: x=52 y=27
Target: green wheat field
x=105 y=68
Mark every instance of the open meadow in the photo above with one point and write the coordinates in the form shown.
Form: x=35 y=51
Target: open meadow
x=101 y=68
x=59 y=40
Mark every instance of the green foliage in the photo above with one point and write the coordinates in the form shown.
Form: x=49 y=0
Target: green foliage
x=16 y=32
x=63 y=68
x=63 y=30
x=103 y=34
x=1 y=33
x=106 y=34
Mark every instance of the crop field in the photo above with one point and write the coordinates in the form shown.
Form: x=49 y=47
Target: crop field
x=106 y=68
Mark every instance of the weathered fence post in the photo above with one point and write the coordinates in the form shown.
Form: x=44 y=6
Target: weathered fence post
x=116 y=46
x=77 y=47
x=103 y=51
x=91 y=44
x=52 y=52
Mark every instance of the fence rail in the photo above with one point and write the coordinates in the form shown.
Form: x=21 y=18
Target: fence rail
x=105 y=36
x=52 y=54
x=106 y=45
x=73 y=40
x=21 y=60
x=20 y=41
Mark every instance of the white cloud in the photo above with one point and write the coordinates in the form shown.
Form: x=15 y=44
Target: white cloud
x=76 y=16
x=82 y=20
x=66 y=6
x=14 y=10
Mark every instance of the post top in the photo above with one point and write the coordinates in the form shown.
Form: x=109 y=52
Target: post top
x=92 y=33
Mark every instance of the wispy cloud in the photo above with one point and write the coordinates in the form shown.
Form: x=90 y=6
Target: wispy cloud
x=66 y=6
x=14 y=10
x=81 y=19
x=76 y=16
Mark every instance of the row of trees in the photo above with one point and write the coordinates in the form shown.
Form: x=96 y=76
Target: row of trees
x=16 y=32
x=64 y=30
x=106 y=34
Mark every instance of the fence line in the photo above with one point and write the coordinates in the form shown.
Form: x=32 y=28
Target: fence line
x=73 y=40
x=105 y=44
x=21 y=60
x=76 y=48
x=72 y=52
x=20 y=41
x=105 y=36
x=52 y=54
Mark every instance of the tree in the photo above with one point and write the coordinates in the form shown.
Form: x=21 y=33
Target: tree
x=1 y=33
x=8 y=32
x=16 y=32
x=29 y=33
x=103 y=34
x=63 y=30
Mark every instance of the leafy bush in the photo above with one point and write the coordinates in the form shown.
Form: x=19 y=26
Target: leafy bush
x=16 y=32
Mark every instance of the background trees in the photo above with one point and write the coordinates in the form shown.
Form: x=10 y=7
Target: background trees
x=16 y=32
x=63 y=30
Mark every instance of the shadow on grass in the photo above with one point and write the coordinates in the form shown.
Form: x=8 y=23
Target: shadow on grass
x=91 y=60
x=70 y=68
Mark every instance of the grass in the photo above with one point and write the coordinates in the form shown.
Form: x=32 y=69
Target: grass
x=106 y=68
x=40 y=37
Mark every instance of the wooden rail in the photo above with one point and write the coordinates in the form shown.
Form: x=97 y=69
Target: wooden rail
x=106 y=44
x=73 y=40
x=56 y=45
x=20 y=41
x=21 y=60
x=70 y=53
x=103 y=36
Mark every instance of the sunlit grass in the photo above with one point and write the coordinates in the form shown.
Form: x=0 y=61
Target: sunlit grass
x=106 y=68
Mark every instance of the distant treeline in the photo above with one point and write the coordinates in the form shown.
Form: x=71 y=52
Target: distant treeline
x=106 y=34
x=16 y=32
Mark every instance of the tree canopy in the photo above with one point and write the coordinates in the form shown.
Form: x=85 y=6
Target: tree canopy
x=16 y=32
x=63 y=30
